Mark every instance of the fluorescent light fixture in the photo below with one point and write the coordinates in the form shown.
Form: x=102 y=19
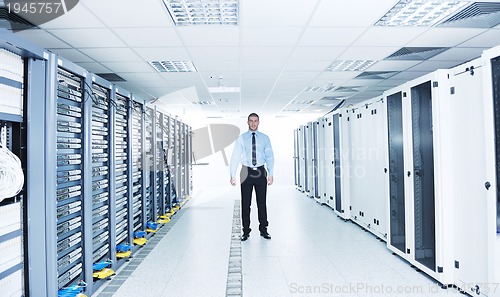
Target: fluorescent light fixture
x=224 y=89
x=350 y=65
x=203 y=12
x=419 y=13
x=173 y=66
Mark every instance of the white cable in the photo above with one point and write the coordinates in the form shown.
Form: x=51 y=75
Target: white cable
x=11 y=174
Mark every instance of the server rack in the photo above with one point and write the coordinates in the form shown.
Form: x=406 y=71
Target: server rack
x=138 y=189
x=321 y=161
x=315 y=160
x=167 y=138
x=149 y=166
x=122 y=194
x=172 y=172
x=329 y=163
x=302 y=158
x=491 y=95
x=101 y=148
x=177 y=159
x=189 y=162
x=427 y=176
x=69 y=186
x=309 y=157
x=367 y=164
x=341 y=140
x=296 y=169
x=397 y=220
x=14 y=262
x=159 y=164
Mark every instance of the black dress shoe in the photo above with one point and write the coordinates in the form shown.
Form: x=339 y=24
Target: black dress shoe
x=245 y=236
x=265 y=235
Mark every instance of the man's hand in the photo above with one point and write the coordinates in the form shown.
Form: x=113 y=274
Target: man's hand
x=233 y=181
x=269 y=180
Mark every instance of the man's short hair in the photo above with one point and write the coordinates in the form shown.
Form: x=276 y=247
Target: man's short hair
x=253 y=114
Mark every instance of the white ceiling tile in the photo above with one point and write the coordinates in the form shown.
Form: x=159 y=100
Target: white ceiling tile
x=489 y=38
x=262 y=65
x=215 y=52
x=78 y=17
x=392 y=65
x=149 y=37
x=93 y=67
x=145 y=79
x=311 y=66
x=209 y=36
x=100 y=38
x=459 y=54
x=429 y=65
x=409 y=75
x=73 y=55
x=216 y=66
x=271 y=13
x=337 y=75
x=111 y=54
x=314 y=36
x=389 y=36
x=327 y=53
x=445 y=37
x=42 y=38
x=163 y=53
x=127 y=13
x=294 y=75
x=129 y=67
x=270 y=36
x=265 y=52
x=264 y=75
x=350 y=13
x=367 y=53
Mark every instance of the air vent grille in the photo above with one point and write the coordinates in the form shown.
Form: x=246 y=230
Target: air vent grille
x=476 y=15
x=416 y=53
x=111 y=77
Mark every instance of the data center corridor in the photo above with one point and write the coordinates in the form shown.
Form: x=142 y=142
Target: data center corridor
x=312 y=253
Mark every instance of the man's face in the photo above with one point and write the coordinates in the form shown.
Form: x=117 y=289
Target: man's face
x=253 y=123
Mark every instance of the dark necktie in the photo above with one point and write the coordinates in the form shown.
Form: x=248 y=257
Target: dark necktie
x=254 y=150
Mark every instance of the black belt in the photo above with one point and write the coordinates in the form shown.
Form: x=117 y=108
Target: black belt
x=254 y=168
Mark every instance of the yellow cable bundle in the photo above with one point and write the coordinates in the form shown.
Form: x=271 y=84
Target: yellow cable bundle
x=140 y=241
x=123 y=255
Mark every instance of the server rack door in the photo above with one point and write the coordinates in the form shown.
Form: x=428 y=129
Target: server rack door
x=423 y=175
x=137 y=172
x=121 y=157
x=329 y=163
x=310 y=159
x=397 y=219
x=337 y=163
x=101 y=151
x=467 y=147
x=149 y=164
x=302 y=159
x=295 y=158
x=315 y=157
x=68 y=180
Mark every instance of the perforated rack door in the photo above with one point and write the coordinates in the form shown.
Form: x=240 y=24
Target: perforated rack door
x=100 y=172
x=69 y=191
x=167 y=161
x=159 y=164
x=121 y=168
x=148 y=160
x=137 y=160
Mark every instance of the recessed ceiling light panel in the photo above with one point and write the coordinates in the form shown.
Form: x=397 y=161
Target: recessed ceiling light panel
x=349 y=65
x=419 y=13
x=173 y=66
x=203 y=12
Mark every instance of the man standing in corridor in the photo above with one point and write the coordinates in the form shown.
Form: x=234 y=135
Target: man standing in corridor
x=253 y=150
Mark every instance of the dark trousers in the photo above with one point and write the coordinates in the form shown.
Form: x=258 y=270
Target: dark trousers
x=251 y=179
